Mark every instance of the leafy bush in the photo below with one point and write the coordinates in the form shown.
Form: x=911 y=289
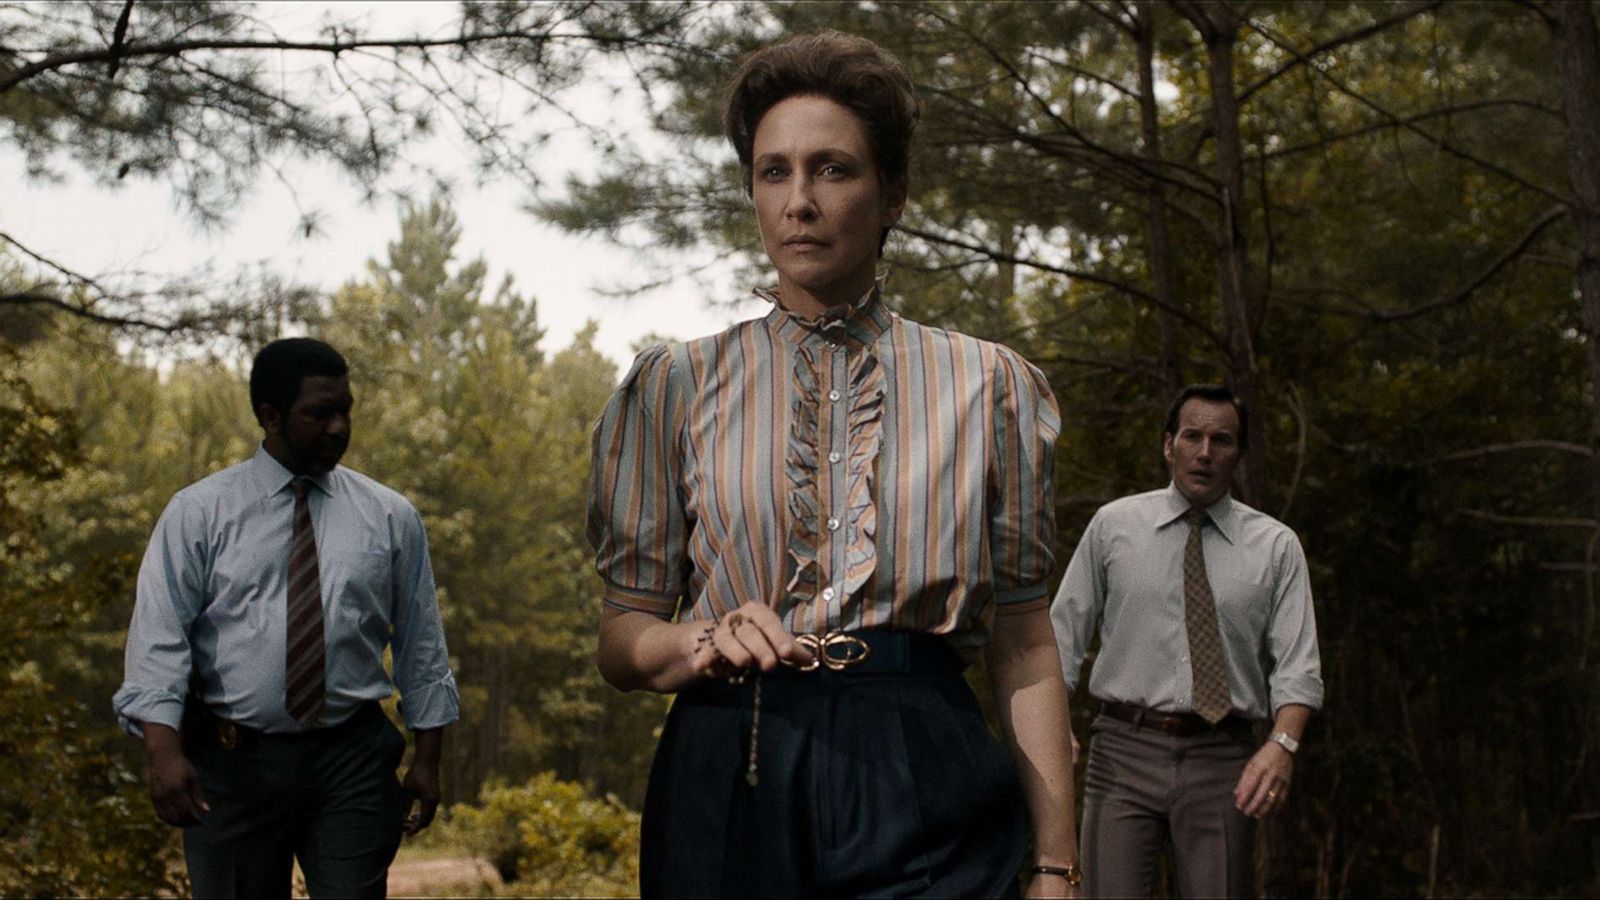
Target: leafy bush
x=551 y=838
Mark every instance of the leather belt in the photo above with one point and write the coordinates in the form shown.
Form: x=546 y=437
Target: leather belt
x=210 y=728
x=1176 y=724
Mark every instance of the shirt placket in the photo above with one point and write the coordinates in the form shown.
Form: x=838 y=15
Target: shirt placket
x=835 y=451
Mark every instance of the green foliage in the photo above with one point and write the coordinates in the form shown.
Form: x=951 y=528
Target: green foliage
x=73 y=819
x=550 y=838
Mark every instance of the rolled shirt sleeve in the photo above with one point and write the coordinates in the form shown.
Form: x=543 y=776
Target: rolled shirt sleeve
x=637 y=525
x=169 y=595
x=1022 y=500
x=428 y=694
x=1080 y=602
x=1296 y=675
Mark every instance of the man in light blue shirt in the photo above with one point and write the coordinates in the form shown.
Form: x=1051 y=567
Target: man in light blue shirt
x=1203 y=610
x=255 y=661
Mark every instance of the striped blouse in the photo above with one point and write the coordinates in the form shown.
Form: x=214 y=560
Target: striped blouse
x=855 y=471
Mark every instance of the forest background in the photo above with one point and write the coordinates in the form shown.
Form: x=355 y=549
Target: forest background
x=1380 y=222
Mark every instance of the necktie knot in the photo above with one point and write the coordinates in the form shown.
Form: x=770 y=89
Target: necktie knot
x=301 y=485
x=1196 y=517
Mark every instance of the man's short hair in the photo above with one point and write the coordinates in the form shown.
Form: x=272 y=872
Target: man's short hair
x=277 y=370
x=845 y=68
x=1216 y=393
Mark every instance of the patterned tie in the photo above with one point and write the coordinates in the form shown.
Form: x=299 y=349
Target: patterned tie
x=1200 y=612
x=303 y=664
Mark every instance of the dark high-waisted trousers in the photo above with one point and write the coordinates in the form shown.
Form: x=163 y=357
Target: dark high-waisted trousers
x=880 y=781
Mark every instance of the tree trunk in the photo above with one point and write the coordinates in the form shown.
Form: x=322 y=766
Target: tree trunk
x=1005 y=275
x=1577 y=42
x=1159 y=235
x=1218 y=25
x=1233 y=248
x=1576 y=47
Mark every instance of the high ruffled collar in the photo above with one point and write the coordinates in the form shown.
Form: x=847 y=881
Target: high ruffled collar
x=863 y=320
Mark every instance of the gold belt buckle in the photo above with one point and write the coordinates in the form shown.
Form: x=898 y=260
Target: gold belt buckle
x=227 y=734
x=810 y=642
x=854 y=651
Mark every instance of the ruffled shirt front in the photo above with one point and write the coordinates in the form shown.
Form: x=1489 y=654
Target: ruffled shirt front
x=853 y=471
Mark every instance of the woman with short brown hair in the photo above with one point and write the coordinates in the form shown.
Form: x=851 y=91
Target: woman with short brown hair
x=810 y=523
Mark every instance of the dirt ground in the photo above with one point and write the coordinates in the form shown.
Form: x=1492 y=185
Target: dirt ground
x=448 y=876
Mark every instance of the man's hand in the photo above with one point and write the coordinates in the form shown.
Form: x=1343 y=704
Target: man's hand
x=1263 y=789
x=174 y=783
x=422 y=780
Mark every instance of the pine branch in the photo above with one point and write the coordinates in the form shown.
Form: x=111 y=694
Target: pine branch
x=1531 y=521
x=82 y=311
x=83 y=55
x=1512 y=447
x=1124 y=287
x=1304 y=57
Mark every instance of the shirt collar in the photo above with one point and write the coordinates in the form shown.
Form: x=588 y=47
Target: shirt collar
x=271 y=477
x=861 y=321
x=1221 y=513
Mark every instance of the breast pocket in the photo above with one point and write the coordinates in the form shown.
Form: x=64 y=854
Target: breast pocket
x=363 y=581
x=1242 y=604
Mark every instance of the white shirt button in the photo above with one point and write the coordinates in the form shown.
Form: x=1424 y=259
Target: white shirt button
x=833 y=457
x=827 y=593
x=834 y=396
x=833 y=524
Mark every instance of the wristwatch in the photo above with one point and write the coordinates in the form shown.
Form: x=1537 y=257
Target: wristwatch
x=1070 y=872
x=1282 y=737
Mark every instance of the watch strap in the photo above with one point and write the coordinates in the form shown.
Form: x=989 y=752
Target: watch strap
x=1283 y=739
x=1070 y=872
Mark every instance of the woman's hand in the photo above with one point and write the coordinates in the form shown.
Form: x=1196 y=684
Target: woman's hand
x=639 y=651
x=751 y=636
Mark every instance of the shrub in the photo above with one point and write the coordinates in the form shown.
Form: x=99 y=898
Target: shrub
x=551 y=838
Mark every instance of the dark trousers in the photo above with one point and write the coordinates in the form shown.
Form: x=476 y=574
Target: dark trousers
x=328 y=797
x=1144 y=789
x=879 y=784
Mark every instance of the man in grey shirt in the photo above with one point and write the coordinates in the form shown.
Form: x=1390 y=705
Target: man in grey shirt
x=1203 y=609
x=268 y=597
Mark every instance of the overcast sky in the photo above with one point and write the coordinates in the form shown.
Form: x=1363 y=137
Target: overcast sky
x=138 y=226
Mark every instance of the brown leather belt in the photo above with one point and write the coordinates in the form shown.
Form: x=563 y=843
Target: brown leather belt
x=203 y=725
x=1177 y=724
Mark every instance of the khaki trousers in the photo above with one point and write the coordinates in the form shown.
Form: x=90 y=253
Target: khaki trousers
x=1146 y=789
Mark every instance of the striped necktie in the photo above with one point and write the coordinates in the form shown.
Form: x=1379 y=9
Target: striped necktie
x=1200 y=614
x=304 y=663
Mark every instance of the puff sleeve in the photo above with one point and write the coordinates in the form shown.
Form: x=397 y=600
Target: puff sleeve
x=636 y=523
x=1021 y=498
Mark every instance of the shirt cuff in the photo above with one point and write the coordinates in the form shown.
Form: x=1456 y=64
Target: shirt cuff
x=1023 y=606
x=1022 y=599
x=1304 y=692
x=137 y=705
x=662 y=606
x=432 y=705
